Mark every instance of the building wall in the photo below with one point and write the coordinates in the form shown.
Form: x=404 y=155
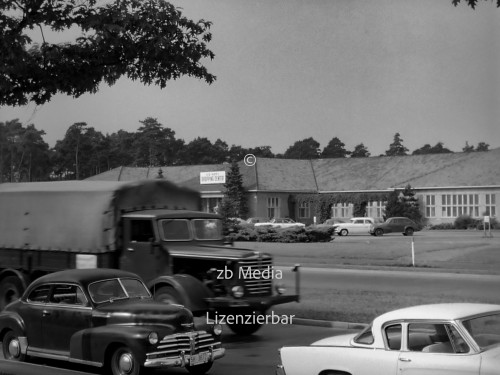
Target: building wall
x=269 y=205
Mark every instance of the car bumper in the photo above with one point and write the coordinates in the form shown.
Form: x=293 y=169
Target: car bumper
x=184 y=359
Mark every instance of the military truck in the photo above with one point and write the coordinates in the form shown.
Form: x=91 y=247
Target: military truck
x=153 y=228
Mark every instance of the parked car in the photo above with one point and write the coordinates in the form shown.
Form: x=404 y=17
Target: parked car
x=255 y=220
x=356 y=225
x=280 y=223
x=445 y=339
x=330 y=223
x=395 y=224
x=104 y=317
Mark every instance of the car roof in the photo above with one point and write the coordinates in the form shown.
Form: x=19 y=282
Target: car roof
x=440 y=311
x=81 y=276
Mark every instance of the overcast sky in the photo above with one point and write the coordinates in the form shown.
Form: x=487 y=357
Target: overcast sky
x=359 y=70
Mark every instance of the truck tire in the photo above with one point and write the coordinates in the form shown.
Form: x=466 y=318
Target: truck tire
x=11 y=289
x=245 y=329
x=199 y=369
x=169 y=295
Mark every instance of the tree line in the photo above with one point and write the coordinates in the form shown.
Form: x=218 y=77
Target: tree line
x=85 y=151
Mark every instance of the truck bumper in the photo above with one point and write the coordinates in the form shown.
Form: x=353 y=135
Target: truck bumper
x=254 y=303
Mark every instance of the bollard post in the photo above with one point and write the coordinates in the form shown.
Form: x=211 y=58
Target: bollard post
x=412 y=252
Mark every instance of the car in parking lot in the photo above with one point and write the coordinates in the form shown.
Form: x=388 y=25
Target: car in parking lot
x=104 y=318
x=445 y=339
x=395 y=225
x=280 y=223
x=356 y=225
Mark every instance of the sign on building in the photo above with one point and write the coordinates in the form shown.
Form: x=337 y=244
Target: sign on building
x=207 y=178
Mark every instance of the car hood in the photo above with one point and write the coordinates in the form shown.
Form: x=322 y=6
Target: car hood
x=211 y=252
x=143 y=312
x=340 y=340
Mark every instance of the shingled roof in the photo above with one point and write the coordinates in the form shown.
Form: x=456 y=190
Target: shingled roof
x=344 y=174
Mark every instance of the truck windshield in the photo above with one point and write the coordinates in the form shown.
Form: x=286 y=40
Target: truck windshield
x=114 y=289
x=186 y=230
x=207 y=229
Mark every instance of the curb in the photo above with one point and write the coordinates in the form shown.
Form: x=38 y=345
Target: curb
x=328 y=324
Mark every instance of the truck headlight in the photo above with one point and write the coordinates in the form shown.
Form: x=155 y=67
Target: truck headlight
x=280 y=289
x=238 y=291
x=153 y=338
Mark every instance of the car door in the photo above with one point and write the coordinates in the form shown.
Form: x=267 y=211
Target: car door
x=67 y=312
x=437 y=349
x=357 y=226
x=32 y=311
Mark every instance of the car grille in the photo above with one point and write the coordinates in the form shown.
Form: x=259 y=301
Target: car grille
x=189 y=343
x=261 y=286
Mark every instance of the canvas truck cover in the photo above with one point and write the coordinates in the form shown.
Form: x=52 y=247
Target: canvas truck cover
x=80 y=216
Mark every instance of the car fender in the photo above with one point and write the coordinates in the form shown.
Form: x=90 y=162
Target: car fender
x=94 y=344
x=192 y=291
x=10 y=320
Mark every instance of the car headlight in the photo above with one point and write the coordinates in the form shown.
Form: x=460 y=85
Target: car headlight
x=153 y=338
x=280 y=289
x=217 y=329
x=238 y=291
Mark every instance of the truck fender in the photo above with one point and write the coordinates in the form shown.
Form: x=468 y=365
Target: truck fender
x=192 y=291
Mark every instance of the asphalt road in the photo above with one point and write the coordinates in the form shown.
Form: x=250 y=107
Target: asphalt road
x=257 y=354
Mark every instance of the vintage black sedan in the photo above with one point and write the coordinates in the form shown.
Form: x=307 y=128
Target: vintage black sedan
x=105 y=318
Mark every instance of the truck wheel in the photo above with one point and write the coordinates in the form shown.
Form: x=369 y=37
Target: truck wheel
x=169 y=295
x=245 y=329
x=123 y=362
x=11 y=347
x=11 y=289
x=199 y=369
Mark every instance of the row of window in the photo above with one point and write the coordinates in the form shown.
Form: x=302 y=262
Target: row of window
x=452 y=205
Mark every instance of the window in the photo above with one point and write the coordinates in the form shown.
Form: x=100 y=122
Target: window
x=491 y=205
x=430 y=206
x=39 y=294
x=376 y=209
x=207 y=229
x=141 y=231
x=211 y=204
x=175 y=230
x=393 y=336
x=454 y=205
x=68 y=295
x=365 y=337
x=435 y=338
x=304 y=210
x=342 y=210
x=273 y=207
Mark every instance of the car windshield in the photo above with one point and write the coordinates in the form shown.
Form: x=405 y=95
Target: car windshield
x=115 y=289
x=485 y=330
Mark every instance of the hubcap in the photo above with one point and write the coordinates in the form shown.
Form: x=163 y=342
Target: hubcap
x=14 y=348
x=125 y=363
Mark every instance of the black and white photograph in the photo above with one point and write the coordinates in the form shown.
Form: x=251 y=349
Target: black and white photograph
x=275 y=187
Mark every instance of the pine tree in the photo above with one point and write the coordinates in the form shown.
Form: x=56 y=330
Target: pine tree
x=235 y=193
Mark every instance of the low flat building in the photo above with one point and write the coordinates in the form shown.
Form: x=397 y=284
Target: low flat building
x=447 y=185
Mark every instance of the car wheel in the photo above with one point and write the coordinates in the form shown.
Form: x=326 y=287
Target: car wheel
x=379 y=232
x=344 y=232
x=199 y=369
x=12 y=347
x=409 y=232
x=123 y=362
x=169 y=295
x=11 y=289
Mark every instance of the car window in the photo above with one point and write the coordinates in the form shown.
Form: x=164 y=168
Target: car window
x=485 y=330
x=135 y=288
x=393 y=336
x=435 y=338
x=365 y=337
x=106 y=290
x=67 y=295
x=39 y=294
x=358 y=221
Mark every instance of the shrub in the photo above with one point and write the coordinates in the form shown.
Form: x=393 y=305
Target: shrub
x=466 y=222
x=284 y=235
